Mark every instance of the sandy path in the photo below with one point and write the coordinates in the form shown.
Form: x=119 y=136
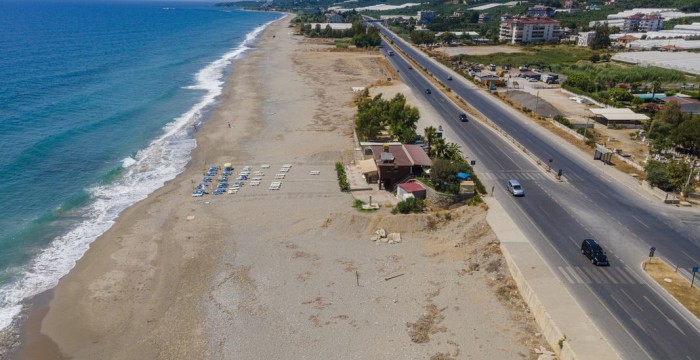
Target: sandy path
x=287 y=274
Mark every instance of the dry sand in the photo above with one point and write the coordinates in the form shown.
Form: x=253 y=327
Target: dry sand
x=286 y=274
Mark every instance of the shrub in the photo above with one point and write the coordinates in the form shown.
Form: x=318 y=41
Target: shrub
x=409 y=205
x=342 y=177
x=562 y=120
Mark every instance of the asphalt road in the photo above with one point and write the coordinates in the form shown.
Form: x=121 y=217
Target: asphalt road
x=633 y=313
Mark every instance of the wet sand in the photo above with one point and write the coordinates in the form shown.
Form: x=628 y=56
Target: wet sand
x=289 y=273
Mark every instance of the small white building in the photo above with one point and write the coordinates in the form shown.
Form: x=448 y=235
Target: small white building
x=585 y=38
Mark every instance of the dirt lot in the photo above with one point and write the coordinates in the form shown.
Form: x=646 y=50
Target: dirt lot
x=478 y=50
x=553 y=101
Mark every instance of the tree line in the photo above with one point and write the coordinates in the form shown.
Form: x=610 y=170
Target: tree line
x=671 y=128
x=361 y=35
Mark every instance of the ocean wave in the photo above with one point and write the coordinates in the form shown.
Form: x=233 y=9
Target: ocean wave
x=162 y=160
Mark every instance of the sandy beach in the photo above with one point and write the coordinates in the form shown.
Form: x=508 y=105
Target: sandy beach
x=288 y=273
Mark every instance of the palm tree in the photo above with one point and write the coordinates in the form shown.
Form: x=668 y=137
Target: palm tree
x=655 y=86
x=440 y=149
x=430 y=135
x=453 y=151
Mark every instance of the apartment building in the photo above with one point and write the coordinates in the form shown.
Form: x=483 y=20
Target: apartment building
x=526 y=29
x=643 y=22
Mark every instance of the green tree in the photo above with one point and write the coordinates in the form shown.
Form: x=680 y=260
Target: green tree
x=369 y=118
x=655 y=87
x=619 y=94
x=581 y=81
x=447 y=37
x=687 y=134
x=430 y=134
x=657 y=174
x=443 y=173
x=601 y=39
x=671 y=114
x=677 y=174
x=660 y=133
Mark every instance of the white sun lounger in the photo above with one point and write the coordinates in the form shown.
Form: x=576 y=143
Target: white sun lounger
x=279 y=176
x=275 y=185
x=287 y=165
x=314 y=172
x=259 y=173
x=232 y=191
x=265 y=166
x=284 y=170
x=257 y=178
x=254 y=182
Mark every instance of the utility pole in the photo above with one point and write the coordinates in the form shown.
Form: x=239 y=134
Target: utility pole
x=585 y=130
x=537 y=102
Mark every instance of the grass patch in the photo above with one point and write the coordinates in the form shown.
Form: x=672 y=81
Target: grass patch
x=342 y=44
x=359 y=205
x=552 y=55
x=679 y=287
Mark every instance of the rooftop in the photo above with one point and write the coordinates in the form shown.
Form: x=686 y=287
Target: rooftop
x=404 y=155
x=618 y=114
x=531 y=20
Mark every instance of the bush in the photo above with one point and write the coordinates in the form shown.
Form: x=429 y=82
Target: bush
x=342 y=177
x=409 y=205
x=562 y=120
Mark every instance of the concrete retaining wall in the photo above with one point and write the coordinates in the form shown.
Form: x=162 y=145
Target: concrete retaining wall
x=443 y=200
x=567 y=328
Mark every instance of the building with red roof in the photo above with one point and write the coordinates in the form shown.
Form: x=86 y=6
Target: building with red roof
x=687 y=105
x=413 y=188
x=398 y=162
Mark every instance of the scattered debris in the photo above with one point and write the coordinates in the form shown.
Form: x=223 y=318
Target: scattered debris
x=381 y=236
x=392 y=277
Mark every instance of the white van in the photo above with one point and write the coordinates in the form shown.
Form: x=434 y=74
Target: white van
x=515 y=188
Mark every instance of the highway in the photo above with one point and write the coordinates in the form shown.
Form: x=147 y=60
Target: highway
x=637 y=317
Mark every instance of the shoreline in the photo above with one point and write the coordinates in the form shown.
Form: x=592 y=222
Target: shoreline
x=287 y=273
x=27 y=325
x=58 y=269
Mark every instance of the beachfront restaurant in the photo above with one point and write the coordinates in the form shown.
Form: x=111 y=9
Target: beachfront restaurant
x=623 y=117
x=397 y=163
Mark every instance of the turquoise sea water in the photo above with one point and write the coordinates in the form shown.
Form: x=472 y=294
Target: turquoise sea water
x=97 y=103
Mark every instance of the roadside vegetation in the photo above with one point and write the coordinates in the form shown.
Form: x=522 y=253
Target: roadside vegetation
x=672 y=131
x=342 y=177
x=410 y=205
x=380 y=119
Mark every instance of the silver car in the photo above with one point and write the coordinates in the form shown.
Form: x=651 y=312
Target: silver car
x=515 y=188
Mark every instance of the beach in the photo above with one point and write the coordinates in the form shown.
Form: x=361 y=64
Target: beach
x=288 y=273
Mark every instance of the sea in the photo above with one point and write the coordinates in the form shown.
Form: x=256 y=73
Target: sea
x=99 y=105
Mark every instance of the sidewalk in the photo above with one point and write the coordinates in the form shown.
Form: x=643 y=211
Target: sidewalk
x=567 y=328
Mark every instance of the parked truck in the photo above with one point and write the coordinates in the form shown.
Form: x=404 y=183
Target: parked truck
x=550 y=78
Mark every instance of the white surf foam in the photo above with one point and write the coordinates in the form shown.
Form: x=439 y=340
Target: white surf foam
x=148 y=170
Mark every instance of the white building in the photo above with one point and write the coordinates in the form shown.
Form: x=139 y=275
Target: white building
x=526 y=30
x=585 y=38
x=643 y=23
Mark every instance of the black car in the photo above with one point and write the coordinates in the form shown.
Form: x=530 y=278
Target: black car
x=427 y=91
x=594 y=252
x=463 y=117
